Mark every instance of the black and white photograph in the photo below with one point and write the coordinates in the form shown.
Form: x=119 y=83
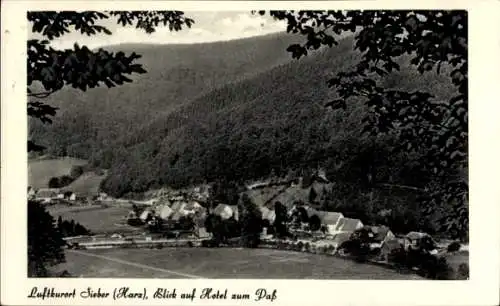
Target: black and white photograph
x=249 y=153
x=259 y=144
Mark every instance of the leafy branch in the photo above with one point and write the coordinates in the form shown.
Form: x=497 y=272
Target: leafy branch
x=80 y=67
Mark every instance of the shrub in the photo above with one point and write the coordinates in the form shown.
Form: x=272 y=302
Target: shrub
x=307 y=247
x=453 y=247
x=190 y=244
x=437 y=268
x=324 y=249
x=159 y=246
x=300 y=245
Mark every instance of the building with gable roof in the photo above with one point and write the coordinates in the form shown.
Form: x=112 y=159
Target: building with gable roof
x=331 y=220
x=165 y=212
x=268 y=214
x=348 y=225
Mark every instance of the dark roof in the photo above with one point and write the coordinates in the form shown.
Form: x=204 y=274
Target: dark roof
x=379 y=232
x=416 y=235
x=47 y=193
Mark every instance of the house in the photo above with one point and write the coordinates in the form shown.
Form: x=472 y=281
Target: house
x=378 y=234
x=177 y=215
x=177 y=205
x=388 y=247
x=81 y=197
x=131 y=215
x=419 y=240
x=311 y=212
x=330 y=220
x=165 y=212
x=145 y=215
x=31 y=193
x=193 y=207
x=184 y=209
x=321 y=176
x=46 y=195
x=348 y=225
x=268 y=214
x=382 y=233
x=67 y=195
x=226 y=211
x=102 y=196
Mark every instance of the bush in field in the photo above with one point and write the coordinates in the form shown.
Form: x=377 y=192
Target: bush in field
x=454 y=246
x=314 y=223
x=300 y=245
x=324 y=249
x=331 y=248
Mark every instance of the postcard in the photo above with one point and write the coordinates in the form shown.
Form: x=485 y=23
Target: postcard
x=260 y=153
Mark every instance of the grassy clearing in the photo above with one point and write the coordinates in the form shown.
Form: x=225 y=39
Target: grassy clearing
x=87 y=183
x=96 y=218
x=40 y=171
x=219 y=263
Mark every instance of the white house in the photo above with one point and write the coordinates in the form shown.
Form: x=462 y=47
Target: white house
x=145 y=215
x=331 y=220
x=267 y=214
x=166 y=212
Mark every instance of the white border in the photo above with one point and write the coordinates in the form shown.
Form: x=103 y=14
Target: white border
x=481 y=289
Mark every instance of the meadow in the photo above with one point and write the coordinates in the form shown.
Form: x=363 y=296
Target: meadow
x=218 y=263
x=98 y=219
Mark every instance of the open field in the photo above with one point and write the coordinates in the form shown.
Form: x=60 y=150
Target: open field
x=96 y=218
x=218 y=263
x=42 y=170
x=87 y=184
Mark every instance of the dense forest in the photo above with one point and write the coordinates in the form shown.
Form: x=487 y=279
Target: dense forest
x=237 y=111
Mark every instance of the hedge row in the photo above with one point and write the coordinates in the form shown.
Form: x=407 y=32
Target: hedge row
x=299 y=246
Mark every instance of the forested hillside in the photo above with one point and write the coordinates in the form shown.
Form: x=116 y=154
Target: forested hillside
x=235 y=110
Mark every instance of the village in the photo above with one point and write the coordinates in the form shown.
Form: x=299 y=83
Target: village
x=180 y=218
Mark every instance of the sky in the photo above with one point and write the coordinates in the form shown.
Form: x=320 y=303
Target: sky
x=208 y=27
